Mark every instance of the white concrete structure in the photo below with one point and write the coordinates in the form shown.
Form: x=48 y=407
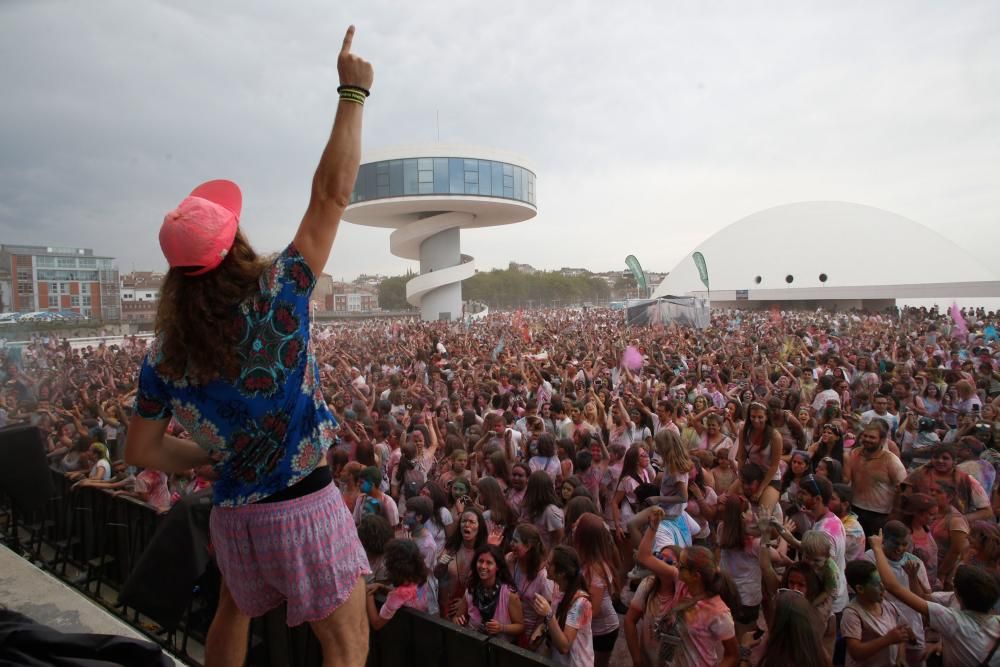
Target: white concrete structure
x=428 y=194
x=832 y=253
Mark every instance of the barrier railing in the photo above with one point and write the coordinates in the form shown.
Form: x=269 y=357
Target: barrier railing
x=94 y=541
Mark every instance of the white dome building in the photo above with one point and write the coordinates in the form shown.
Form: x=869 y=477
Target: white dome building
x=828 y=254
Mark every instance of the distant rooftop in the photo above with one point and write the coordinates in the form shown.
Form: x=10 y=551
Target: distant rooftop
x=50 y=250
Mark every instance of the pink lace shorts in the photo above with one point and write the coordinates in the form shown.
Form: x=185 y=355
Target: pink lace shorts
x=304 y=551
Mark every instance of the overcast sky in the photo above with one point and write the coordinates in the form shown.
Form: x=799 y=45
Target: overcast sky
x=650 y=125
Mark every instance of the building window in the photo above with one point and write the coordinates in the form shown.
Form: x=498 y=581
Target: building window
x=443 y=175
x=25 y=288
x=456 y=177
x=53 y=301
x=74 y=301
x=410 y=177
x=84 y=300
x=485 y=177
x=48 y=262
x=84 y=288
x=24 y=275
x=66 y=262
x=67 y=274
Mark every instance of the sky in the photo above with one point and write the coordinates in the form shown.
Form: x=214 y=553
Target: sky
x=650 y=125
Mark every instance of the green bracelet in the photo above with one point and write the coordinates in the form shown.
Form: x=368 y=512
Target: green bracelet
x=351 y=95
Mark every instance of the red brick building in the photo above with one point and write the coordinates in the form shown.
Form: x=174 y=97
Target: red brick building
x=60 y=279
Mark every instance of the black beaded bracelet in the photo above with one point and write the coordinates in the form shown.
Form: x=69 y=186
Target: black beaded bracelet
x=363 y=91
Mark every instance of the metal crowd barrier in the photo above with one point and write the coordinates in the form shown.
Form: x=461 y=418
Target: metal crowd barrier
x=411 y=639
x=102 y=537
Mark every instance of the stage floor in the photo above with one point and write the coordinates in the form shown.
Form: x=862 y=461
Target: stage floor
x=38 y=595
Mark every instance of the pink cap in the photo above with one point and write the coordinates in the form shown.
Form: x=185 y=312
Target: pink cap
x=200 y=231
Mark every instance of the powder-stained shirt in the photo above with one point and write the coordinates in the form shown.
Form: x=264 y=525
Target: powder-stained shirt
x=270 y=426
x=703 y=628
x=581 y=651
x=875 y=480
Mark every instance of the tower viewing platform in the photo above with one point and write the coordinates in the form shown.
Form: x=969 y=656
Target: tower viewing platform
x=427 y=195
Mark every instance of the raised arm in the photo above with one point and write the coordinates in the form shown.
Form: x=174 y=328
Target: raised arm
x=338 y=166
x=768 y=577
x=645 y=556
x=892 y=585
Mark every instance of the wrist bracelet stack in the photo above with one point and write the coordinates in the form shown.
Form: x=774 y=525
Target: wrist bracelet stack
x=355 y=94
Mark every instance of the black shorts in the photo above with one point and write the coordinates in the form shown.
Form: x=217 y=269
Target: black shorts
x=606 y=643
x=775 y=484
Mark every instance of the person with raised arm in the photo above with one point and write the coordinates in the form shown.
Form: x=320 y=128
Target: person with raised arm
x=233 y=364
x=970 y=635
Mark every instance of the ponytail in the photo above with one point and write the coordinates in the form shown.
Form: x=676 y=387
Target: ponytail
x=723 y=586
x=566 y=562
x=716 y=582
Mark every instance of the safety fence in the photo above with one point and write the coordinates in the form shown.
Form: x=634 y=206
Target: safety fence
x=155 y=572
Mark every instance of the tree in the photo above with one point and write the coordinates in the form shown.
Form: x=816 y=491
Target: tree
x=514 y=289
x=392 y=293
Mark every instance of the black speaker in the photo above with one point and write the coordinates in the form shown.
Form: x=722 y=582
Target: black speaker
x=24 y=468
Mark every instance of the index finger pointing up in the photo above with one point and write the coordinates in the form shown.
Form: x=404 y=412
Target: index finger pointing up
x=348 y=38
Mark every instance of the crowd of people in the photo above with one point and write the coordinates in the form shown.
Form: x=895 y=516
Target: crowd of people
x=780 y=488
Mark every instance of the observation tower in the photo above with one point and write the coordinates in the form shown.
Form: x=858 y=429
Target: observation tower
x=427 y=195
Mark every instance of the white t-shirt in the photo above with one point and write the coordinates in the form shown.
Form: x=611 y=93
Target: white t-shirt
x=548 y=521
x=822 y=397
x=550 y=464
x=891 y=420
x=105 y=468
x=910 y=616
x=856 y=623
x=581 y=651
x=659 y=426
x=428 y=548
x=966 y=637
x=831 y=526
x=438 y=532
x=639 y=434
x=667 y=533
x=743 y=567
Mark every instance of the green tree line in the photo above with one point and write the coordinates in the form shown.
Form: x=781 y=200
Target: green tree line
x=506 y=288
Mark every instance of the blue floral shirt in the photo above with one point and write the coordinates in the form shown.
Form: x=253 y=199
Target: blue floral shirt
x=270 y=427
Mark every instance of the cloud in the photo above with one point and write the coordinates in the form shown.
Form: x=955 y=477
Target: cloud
x=650 y=125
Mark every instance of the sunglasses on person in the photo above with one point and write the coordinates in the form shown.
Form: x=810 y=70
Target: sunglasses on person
x=782 y=591
x=667 y=558
x=811 y=480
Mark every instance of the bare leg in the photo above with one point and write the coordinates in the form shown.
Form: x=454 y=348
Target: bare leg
x=830 y=636
x=769 y=498
x=344 y=633
x=226 y=645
